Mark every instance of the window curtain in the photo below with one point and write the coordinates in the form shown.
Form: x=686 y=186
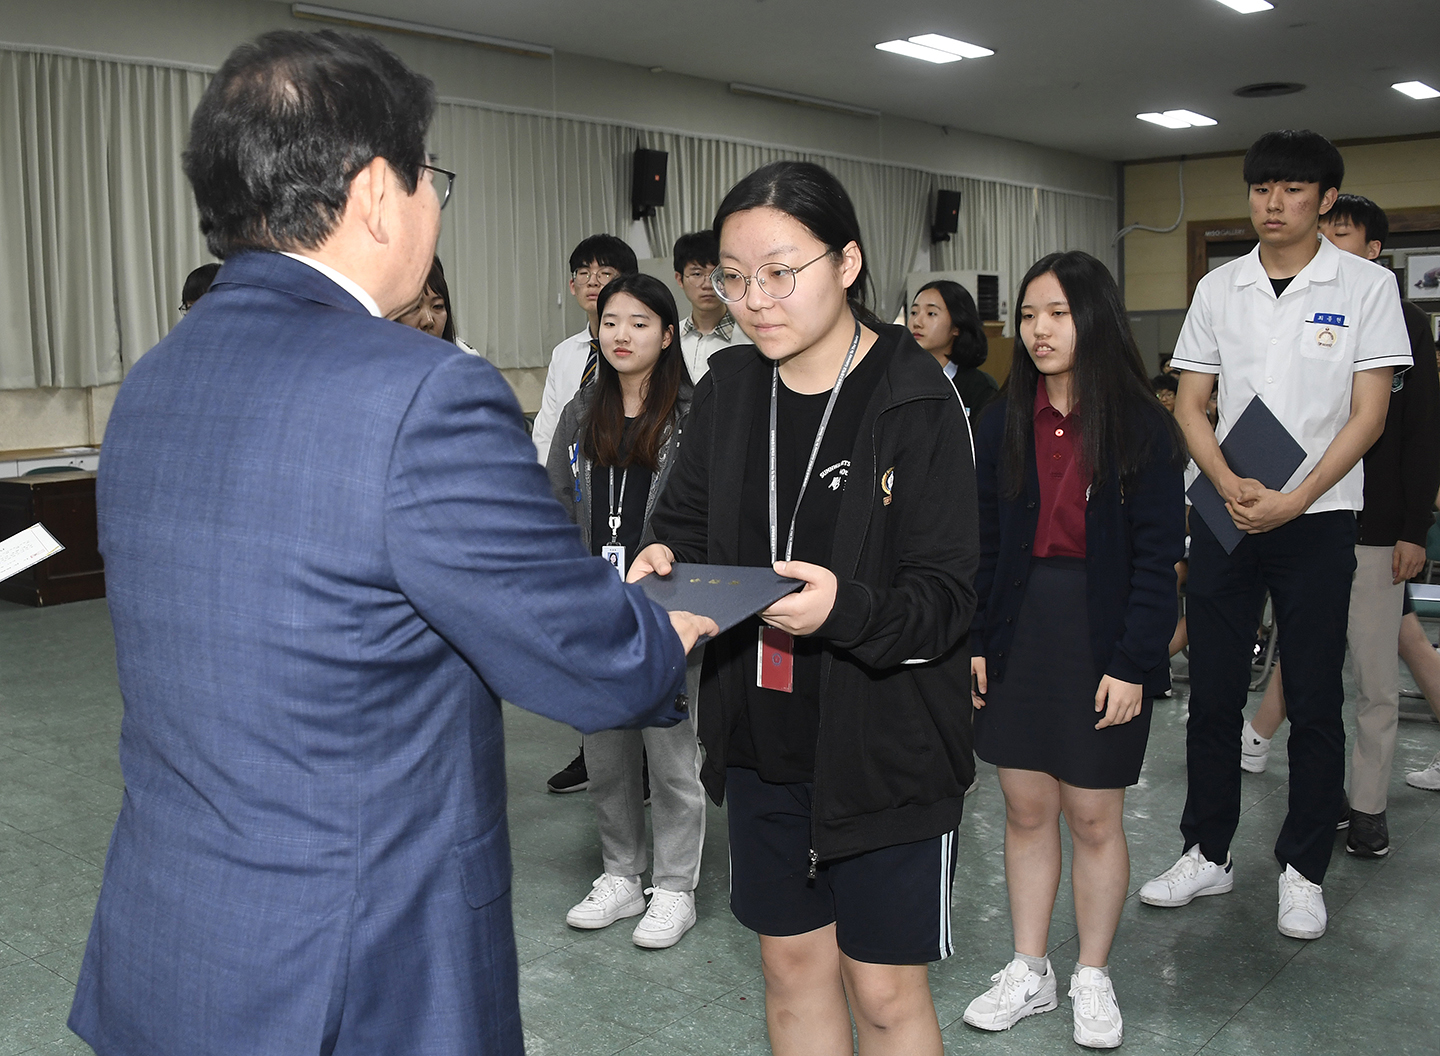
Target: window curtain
x=101 y=228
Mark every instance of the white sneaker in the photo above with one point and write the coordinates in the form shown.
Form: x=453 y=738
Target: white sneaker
x=1429 y=778
x=611 y=897
x=1254 y=750
x=1189 y=878
x=671 y=915
x=1019 y=991
x=1097 y=1014
x=1302 y=906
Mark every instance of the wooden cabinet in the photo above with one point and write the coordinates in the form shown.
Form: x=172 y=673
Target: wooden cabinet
x=65 y=504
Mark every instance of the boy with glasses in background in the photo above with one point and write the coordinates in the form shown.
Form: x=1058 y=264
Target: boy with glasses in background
x=709 y=327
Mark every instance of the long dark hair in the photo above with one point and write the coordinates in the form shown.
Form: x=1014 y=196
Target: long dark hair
x=970 y=348
x=1113 y=396
x=606 y=426
x=813 y=196
x=436 y=282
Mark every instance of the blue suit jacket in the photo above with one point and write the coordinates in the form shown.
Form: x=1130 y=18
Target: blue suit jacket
x=329 y=553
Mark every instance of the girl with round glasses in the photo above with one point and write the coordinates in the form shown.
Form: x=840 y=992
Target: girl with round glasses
x=836 y=724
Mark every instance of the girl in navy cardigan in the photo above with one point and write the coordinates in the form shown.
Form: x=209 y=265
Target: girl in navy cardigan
x=1082 y=518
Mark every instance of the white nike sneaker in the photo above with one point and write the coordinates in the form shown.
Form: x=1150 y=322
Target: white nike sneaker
x=1428 y=779
x=611 y=897
x=1189 y=878
x=1254 y=750
x=1097 y=1014
x=1302 y=906
x=1019 y=991
x=670 y=916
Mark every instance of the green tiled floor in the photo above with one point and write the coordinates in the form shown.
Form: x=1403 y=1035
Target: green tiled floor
x=1214 y=977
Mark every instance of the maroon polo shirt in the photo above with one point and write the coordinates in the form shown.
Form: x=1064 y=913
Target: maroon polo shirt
x=1064 y=480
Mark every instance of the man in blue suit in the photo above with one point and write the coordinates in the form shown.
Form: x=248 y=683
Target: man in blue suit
x=329 y=553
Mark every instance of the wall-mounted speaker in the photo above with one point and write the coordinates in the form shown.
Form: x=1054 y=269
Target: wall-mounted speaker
x=947 y=216
x=647 y=184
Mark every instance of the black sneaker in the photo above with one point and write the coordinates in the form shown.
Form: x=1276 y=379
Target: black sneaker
x=574 y=778
x=1345 y=813
x=1369 y=836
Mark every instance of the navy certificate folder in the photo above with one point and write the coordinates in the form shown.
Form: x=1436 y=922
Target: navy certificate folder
x=1259 y=447
x=727 y=594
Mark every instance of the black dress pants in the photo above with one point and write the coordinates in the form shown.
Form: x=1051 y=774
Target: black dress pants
x=1307 y=565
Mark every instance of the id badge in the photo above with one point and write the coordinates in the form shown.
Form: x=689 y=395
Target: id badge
x=616 y=556
x=775 y=666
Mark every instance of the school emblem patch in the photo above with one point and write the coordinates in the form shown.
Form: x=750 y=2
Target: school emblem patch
x=887 y=485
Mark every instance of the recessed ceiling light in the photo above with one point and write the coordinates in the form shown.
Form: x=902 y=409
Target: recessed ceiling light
x=917 y=51
x=1178 y=119
x=1248 y=7
x=962 y=48
x=1416 y=90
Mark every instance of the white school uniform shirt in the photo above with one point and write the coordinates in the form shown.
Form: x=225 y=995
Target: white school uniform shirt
x=698 y=348
x=562 y=382
x=1298 y=352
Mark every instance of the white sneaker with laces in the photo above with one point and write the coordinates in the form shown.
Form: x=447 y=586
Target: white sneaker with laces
x=1019 y=991
x=1097 y=1014
x=611 y=897
x=1428 y=779
x=1254 y=750
x=1302 y=906
x=671 y=915
x=1189 y=878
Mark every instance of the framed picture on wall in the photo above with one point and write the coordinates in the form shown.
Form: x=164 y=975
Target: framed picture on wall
x=1422 y=277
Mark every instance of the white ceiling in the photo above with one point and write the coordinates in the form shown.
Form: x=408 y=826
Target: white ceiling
x=1070 y=74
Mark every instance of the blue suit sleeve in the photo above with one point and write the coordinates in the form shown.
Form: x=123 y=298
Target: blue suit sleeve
x=487 y=557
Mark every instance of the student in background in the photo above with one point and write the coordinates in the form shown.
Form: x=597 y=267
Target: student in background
x=197 y=284
x=1080 y=474
x=841 y=840
x=945 y=323
x=573 y=362
x=432 y=313
x=1402 y=473
x=1318 y=333
x=709 y=327
x=613 y=452
x=1165 y=386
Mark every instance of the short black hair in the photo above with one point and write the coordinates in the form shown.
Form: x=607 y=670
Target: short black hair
x=607 y=251
x=1363 y=213
x=197 y=284
x=287 y=123
x=698 y=247
x=1165 y=381
x=1303 y=156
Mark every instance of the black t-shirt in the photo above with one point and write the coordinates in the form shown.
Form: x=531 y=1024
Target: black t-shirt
x=1280 y=285
x=636 y=492
x=775 y=732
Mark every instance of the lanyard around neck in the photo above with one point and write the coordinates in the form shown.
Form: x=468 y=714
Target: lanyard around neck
x=814 y=450
x=616 y=512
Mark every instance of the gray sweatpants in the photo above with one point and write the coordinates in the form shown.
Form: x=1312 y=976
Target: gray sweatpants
x=1374 y=631
x=677 y=803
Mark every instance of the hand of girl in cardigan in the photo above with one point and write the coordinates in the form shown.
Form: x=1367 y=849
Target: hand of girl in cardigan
x=804 y=611
x=979 y=685
x=1120 y=701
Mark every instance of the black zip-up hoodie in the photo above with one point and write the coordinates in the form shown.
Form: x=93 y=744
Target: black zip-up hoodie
x=893 y=757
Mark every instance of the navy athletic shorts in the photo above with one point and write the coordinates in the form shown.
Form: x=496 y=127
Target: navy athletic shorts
x=889 y=906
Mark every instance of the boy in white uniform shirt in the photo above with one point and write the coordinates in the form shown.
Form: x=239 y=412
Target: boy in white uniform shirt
x=1317 y=334
x=595 y=261
x=709 y=327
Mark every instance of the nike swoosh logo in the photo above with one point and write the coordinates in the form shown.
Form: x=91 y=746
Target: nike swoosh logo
x=1032 y=995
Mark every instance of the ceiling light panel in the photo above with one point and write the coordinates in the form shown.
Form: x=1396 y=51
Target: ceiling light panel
x=951 y=46
x=912 y=50
x=1416 y=90
x=1178 y=119
x=1248 y=7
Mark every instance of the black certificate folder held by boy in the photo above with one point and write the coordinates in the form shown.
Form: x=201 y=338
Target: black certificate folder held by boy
x=1258 y=447
x=727 y=594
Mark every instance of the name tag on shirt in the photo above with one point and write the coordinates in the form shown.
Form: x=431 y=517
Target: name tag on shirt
x=1327 y=320
x=616 y=556
x=776 y=660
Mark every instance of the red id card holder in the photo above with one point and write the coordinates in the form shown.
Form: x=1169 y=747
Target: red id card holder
x=775 y=666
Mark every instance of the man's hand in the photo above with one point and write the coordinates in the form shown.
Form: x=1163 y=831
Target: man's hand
x=978 y=681
x=692 y=628
x=1120 y=701
x=657 y=558
x=803 y=612
x=1407 y=562
x=1266 y=511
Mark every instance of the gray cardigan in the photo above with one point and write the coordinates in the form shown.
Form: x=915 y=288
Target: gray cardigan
x=570 y=470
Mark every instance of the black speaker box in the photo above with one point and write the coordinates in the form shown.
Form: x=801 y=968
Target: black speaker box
x=647 y=185
x=947 y=216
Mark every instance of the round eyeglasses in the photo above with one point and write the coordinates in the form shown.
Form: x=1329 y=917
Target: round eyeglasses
x=776 y=280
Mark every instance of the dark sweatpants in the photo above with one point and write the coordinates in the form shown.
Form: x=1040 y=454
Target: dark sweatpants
x=1307 y=565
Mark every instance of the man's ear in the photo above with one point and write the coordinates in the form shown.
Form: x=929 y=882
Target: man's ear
x=1372 y=249
x=369 y=197
x=1327 y=200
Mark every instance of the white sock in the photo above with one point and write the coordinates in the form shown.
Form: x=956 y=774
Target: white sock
x=1105 y=970
x=1038 y=965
